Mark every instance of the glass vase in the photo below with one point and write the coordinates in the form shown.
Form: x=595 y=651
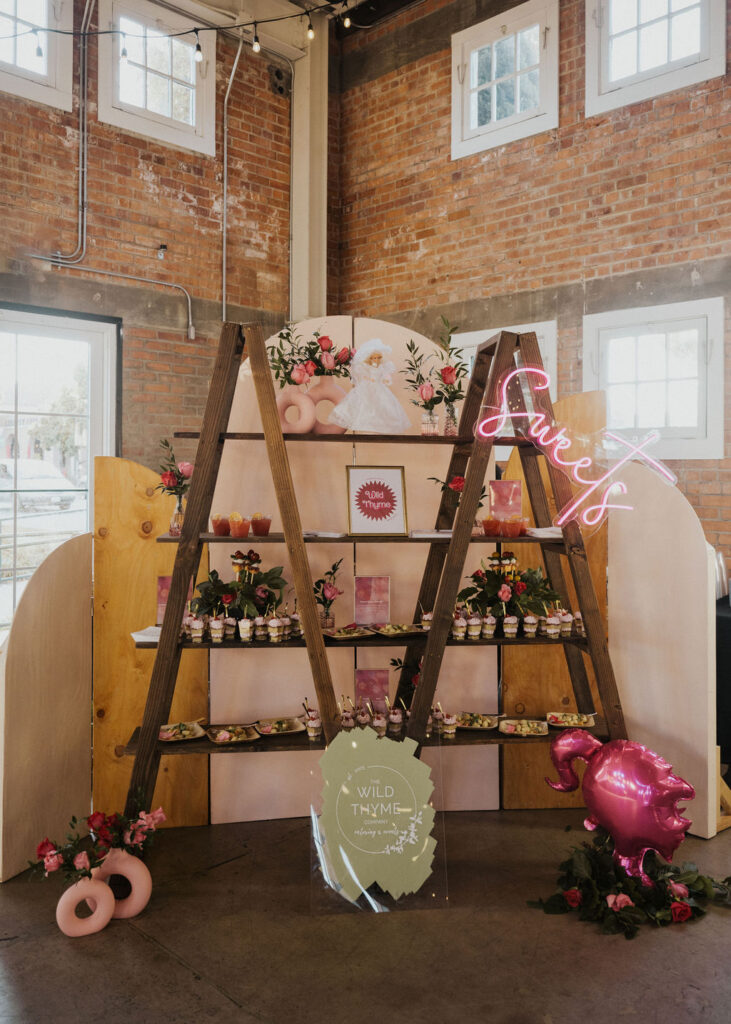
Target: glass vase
x=176 y=521
x=429 y=423
x=450 y=420
x=327 y=619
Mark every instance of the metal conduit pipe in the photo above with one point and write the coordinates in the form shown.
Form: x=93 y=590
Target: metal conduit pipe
x=224 y=219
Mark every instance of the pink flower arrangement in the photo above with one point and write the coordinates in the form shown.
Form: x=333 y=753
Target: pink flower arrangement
x=327 y=360
x=504 y=593
x=325 y=590
x=174 y=476
x=426 y=392
x=296 y=361
x=300 y=374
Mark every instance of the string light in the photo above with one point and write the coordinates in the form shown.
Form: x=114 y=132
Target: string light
x=256 y=45
x=39 y=48
x=123 y=54
x=310 y=29
x=346 y=17
x=198 y=55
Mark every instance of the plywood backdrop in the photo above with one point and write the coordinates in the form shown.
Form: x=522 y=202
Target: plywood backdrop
x=45 y=696
x=129 y=515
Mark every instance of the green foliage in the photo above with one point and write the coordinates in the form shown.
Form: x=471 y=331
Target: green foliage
x=252 y=595
x=531 y=592
x=290 y=350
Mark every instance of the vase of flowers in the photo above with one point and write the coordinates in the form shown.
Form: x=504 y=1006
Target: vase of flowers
x=326 y=592
x=112 y=849
x=450 y=376
x=418 y=379
x=174 y=479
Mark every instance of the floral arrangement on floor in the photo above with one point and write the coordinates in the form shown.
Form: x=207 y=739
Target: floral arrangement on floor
x=436 y=384
x=174 y=476
x=295 y=361
x=600 y=890
x=325 y=590
x=505 y=589
x=79 y=854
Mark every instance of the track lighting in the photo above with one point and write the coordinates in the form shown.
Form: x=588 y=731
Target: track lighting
x=256 y=45
x=198 y=55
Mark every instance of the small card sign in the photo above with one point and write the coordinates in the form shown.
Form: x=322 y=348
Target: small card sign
x=372 y=599
x=163 y=592
x=371 y=684
x=376 y=501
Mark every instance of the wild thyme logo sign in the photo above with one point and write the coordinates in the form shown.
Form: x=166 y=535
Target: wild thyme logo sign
x=376 y=821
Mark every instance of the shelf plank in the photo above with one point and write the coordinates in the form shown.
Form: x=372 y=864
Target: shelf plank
x=278 y=538
x=372 y=641
x=464 y=439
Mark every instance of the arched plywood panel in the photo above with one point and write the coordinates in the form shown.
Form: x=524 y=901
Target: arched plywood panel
x=536 y=681
x=45 y=700
x=662 y=634
x=129 y=515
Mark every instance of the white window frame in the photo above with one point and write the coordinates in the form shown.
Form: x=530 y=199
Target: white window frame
x=520 y=126
x=55 y=88
x=709 y=440
x=645 y=85
x=200 y=138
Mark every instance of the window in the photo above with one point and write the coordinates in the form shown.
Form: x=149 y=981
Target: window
x=34 y=63
x=636 y=49
x=662 y=369
x=505 y=78
x=57 y=411
x=153 y=84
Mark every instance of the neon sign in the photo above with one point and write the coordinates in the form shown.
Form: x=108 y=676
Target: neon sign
x=601 y=489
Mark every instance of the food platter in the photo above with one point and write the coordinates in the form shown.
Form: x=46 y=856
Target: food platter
x=224 y=735
x=348 y=632
x=279 y=726
x=476 y=722
x=523 y=727
x=398 y=629
x=177 y=732
x=570 y=720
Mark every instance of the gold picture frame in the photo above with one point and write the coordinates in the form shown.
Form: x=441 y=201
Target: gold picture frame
x=377 y=501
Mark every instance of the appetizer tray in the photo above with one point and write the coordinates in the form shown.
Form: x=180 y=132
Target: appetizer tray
x=278 y=726
x=174 y=732
x=570 y=720
x=224 y=734
x=475 y=721
x=397 y=629
x=523 y=727
x=348 y=632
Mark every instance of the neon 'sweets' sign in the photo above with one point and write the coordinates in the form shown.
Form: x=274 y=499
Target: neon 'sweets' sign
x=555 y=444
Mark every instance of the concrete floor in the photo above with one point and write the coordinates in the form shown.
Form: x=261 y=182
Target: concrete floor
x=237 y=930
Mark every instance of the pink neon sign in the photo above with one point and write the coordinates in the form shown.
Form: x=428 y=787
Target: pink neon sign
x=554 y=447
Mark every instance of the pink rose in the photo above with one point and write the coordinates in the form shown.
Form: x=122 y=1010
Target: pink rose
x=616 y=901
x=157 y=817
x=185 y=469
x=426 y=391
x=44 y=848
x=678 y=889
x=325 y=343
x=504 y=593
x=328 y=360
x=299 y=373
x=52 y=862
x=81 y=861
x=343 y=355
x=310 y=367
x=330 y=592
x=262 y=593
x=448 y=374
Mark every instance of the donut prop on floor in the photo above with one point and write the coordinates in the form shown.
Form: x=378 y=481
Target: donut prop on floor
x=97 y=895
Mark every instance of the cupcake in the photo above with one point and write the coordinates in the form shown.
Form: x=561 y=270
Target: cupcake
x=459 y=627
x=229 y=628
x=553 y=627
x=216 y=628
x=362 y=717
x=530 y=625
x=379 y=723
x=260 y=628
x=274 y=629
x=566 y=622
x=488 y=627
x=395 y=720
x=246 y=630
x=510 y=626
x=449 y=726
x=197 y=627
x=474 y=626
x=426 y=620
x=346 y=720
x=313 y=723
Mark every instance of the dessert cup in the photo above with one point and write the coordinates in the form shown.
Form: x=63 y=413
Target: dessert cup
x=449 y=726
x=474 y=627
x=274 y=629
x=510 y=626
x=246 y=630
x=221 y=526
x=379 y=723
x=553 y=627
x=261 y=524
x=216 y=629
x=530 y=625
x=488 y=627
x=459 y=628
x=239 y=525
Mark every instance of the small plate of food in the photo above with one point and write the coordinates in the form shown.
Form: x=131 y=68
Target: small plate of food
x=570 y=720
x=351 y=632
x=473 y=720
x=173 y=732
x=224 y=734
x=523 y=727
x=398 y=628
x=278 y=726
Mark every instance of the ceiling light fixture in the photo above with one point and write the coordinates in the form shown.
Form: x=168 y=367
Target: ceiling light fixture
x=310 y=29
x=256 y=45
x=198 y=55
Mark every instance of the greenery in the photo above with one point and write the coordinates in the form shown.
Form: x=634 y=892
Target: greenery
x=325 y=590
x=508 y=591
x=255 y=592
x=174 y=476
x=600 y=890
x=436 y=384
x=454 y=369
x=295 y=361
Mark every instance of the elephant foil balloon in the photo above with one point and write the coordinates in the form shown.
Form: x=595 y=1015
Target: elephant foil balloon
x=630 y=791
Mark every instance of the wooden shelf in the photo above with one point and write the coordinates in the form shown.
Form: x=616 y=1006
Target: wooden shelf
x=300 y=742
x=278 y=538
x=466 y=439
x=369 y=641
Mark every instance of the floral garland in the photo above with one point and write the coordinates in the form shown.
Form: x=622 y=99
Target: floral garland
x=295 y=361
x=593 y=884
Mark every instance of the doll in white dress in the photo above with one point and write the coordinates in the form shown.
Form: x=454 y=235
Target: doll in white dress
x=370 y=406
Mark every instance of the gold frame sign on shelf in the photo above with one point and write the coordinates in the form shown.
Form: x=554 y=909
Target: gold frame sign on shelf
x=377 y=501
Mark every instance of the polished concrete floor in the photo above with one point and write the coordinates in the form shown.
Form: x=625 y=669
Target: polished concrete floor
x=239 y=929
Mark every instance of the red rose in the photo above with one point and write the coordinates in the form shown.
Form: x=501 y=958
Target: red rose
x=227 y=599
x=96 y=821
x=478 y=575
x=456 y=484
x=343 y=355
x=448 y=375
x=168 y=479
x=325 y=343
x=572 y=897
x=45 y=848
x=415 y=680
x=519 y=587
x=310 y=367
x=681 y=911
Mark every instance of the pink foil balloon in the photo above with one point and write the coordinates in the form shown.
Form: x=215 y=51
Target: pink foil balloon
x=629 y=790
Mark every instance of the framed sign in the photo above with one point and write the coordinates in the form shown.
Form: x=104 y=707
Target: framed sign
x=371 y=684
x=376 y=501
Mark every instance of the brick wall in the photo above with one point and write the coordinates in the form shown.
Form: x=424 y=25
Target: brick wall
x=628 y=208
x=142 y=194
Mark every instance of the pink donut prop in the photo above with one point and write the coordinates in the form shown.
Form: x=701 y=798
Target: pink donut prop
x=97 y=895
x=326 y=390
x=294 y=398
x=119 y=862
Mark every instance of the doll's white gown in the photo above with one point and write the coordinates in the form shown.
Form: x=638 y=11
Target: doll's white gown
x=369 y=406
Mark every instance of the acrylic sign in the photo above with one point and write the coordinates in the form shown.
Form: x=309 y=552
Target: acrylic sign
x=599 y=483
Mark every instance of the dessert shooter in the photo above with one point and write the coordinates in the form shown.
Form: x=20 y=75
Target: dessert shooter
x=362 y=718
x=474 y=626
x=295 y=625
x=449 y=726
x=579 y=624
x=567 y=621
x=261 y=631
x=510 y=626
x=274 y=629
x=346 y=720
x=553 y=627
x=395 y=720
x=313 y=724
x=246 y=630
x=197 y=628
x=489 y=623
x=426 y=621
x=216 y=627
x=459 y=627
x=379 y=723
x=530 y=625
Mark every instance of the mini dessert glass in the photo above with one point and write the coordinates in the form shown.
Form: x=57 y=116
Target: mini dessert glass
x=261 y=523
x=239 y=524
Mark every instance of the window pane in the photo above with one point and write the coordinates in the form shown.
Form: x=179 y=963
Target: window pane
x=621 y=405
x=132 y=85
x=183 y=64
x=653 y=45
x=480 y=66
x=651 y=405
x=505 y=99
x=7 y=377
x=26 y=52
x=158 y=52
x=685 y=34
x=183 y=109
x=651 y=357
x=134 y=41
x=34 y=11
x=620 y=360
x=158 y=94
x=7 y=45
x=651 y=9
x=683 y=403
x=622 y=15
x=528 y=43
x=678 y=5
x=52 y=453
x=7 y=6
x=528 y=90
x=62 y=387
x=480 y=108
x=623 y=56
x=683 y=354
x=505 y=57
